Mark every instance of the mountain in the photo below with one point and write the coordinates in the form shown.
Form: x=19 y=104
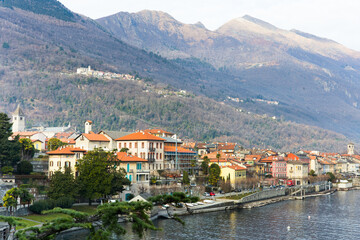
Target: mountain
x=315 y=80
x=39 y=55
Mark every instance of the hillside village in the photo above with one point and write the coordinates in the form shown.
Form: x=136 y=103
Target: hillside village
x=155 y=157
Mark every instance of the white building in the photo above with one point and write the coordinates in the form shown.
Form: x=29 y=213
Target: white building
x=18 y=120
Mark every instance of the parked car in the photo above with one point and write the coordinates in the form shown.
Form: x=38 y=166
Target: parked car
x=206 y=194
x=212 y=194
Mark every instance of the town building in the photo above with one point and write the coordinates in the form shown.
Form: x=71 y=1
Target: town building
x=233 y=173
x=137 y=171
x=298 y=171
x=144 y=145
x=64 y=157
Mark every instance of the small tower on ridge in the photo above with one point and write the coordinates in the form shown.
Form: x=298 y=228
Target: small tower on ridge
x=350 y=148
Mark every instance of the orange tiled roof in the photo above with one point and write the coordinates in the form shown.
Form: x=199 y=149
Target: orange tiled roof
x=96 y=137
x=270 y=159
x=125 y=157
x=65 y=151
x=236 y=168
x=24 y=134
x=139 y=136
x=157 y=131
x=68 y=140
x=36 y=140
x=179 y=149
x=252 y=157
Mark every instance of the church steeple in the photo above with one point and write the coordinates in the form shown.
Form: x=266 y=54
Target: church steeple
x=18 y=120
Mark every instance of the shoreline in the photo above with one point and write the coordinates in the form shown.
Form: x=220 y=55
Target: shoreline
x=227 y=204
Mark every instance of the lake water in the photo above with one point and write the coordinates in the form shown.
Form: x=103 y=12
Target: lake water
x=334 y=216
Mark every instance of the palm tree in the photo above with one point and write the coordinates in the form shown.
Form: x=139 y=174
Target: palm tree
x=218 y=155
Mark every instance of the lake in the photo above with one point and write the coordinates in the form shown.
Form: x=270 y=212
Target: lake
x=335 y=216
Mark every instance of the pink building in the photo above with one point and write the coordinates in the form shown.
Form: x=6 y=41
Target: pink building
x=279 y=169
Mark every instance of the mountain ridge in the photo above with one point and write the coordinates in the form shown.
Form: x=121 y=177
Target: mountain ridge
x=37 y=69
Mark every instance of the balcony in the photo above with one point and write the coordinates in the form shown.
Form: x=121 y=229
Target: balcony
x=152 y=149
x=143 y=171
x=151 y=158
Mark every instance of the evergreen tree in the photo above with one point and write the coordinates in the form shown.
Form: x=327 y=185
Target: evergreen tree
x=186 y=179
x=214 y=171
x=97 y=174
x=63 y=184
x=9 y=149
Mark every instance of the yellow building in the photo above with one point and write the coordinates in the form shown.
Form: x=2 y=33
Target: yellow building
x=235 y=173
x=259 y=168
x=64 y=157
x=37 y=144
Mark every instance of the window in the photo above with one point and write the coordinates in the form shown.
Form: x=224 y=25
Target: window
x=142 y=145
x=157 y=156
x=21 y=118
x=14 y=118
x=130 y=145
x=160 y=145
x=120 y=146
x=128 y=167
x=136 y=145
x=124 y=145
x=160 y=156
x=138 y=166
x=77 y=155
x=59 y=164
x=157 y=145
x=51 y=163
x=67 y=164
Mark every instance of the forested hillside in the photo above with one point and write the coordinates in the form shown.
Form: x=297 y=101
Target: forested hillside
x=39 y=55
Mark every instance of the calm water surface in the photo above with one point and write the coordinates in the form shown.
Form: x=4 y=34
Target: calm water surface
x=334 y=216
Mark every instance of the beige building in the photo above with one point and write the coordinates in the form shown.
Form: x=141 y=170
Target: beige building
x=298 y=171
x=90 y=141
x=235 y=173
x=144 y=145
x=64 y=157
x=137 y=171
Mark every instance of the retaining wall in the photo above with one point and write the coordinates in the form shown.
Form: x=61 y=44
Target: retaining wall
x=266 y=194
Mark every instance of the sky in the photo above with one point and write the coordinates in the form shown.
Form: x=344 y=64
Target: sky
x=337 y=20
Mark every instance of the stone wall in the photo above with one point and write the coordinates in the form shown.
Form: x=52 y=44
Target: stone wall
x=263 y=195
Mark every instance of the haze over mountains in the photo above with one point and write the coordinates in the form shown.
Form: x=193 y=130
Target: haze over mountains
x=42 y=43
x=315 y=80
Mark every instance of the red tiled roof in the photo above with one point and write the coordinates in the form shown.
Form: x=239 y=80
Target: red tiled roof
x=125 y=157
x=65 y=151
x=229 y=146
x=139 y=136
x=157 y=131
x=63 y=135
x=96 y=137
x=36 y=140
x=179 y=149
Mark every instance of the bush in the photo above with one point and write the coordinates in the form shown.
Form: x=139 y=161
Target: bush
x=24 y=168
x=64 y=202
x=42 y=205
x=7 y=170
